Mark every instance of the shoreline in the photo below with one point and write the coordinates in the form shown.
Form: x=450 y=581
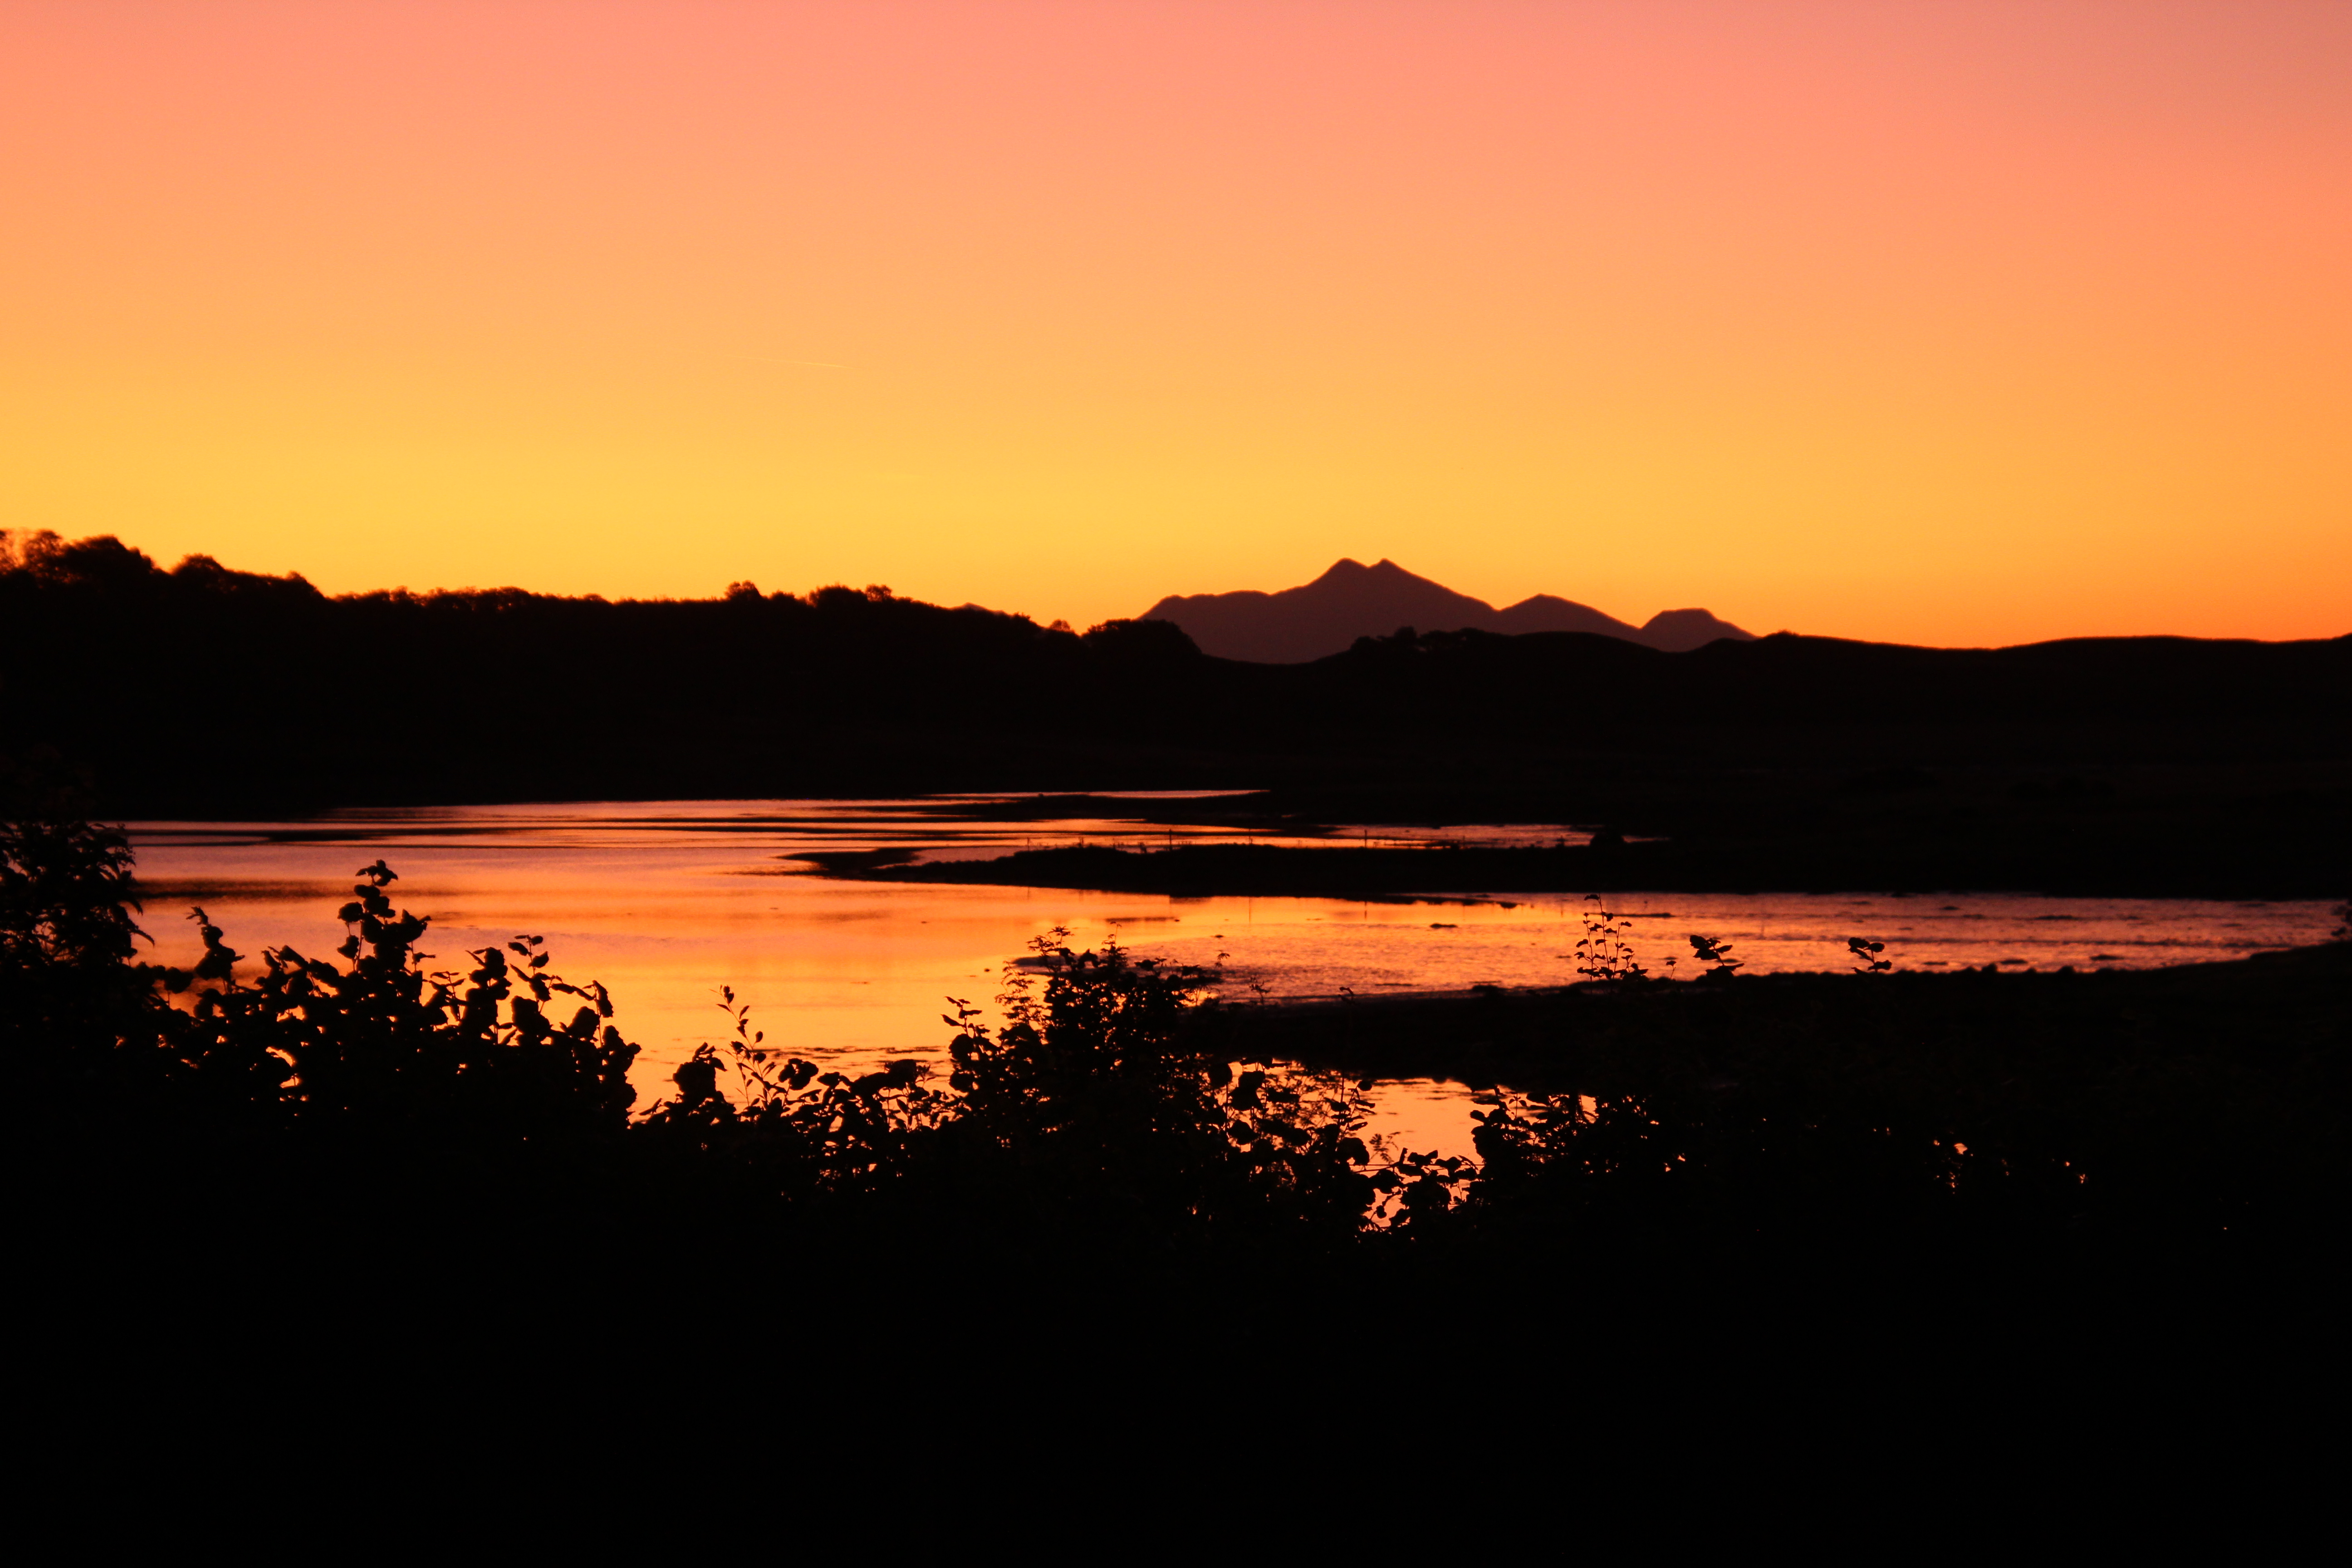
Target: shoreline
x=1968 y=1035
x=1234 y=870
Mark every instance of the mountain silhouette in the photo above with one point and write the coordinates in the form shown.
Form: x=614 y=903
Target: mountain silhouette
x=1352 y=600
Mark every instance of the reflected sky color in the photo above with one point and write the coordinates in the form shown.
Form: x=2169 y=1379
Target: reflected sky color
x=665 y=903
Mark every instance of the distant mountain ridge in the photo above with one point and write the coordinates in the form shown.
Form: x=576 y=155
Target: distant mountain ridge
x=1351 y=600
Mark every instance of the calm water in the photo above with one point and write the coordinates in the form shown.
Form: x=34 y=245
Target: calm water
x=667 y=901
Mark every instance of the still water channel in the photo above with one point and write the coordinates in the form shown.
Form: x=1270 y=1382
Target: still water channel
x=667 y=901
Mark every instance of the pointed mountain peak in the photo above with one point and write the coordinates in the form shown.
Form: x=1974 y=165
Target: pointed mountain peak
x=1351 y=600
x=1348 y=568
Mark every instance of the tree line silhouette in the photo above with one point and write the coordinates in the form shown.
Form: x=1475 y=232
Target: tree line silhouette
x=2146 y=765
x=258 y=692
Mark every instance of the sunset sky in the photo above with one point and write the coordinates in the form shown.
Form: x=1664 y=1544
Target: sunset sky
x=1939 y=323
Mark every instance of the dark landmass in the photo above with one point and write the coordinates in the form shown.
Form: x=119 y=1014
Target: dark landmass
x=1784 y=761
x=2098 y=864
x=1975 y=1039
x=2079 y=1082
x=1294 y=626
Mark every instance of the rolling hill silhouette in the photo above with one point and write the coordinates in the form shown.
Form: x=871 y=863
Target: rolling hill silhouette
x=2149 y=766
x=1352 y=600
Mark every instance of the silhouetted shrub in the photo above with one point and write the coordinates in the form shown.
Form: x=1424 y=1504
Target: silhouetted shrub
x=1099 y=1117
x=379 y=1047
x=791 y=1134
x=158 y=1083
x=1103 y=1105
x=80 y=1022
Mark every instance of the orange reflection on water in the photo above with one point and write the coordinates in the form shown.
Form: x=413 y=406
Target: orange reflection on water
x=667 y=902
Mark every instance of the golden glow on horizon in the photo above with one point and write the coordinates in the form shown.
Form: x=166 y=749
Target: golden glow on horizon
x=1937 y=323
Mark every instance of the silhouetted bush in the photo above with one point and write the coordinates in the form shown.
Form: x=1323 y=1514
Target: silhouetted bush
x=379 y=1047
x=78 y=1019
x=1105 y=1105
x=1100 y=1120
x=365 y=1083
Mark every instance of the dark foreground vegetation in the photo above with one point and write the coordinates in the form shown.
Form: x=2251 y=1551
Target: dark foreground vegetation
x=405 y=1113
x=2123 y=765
x=2175 y=1105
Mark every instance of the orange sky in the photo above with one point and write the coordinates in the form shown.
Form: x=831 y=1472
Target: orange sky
x=1952 y=323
